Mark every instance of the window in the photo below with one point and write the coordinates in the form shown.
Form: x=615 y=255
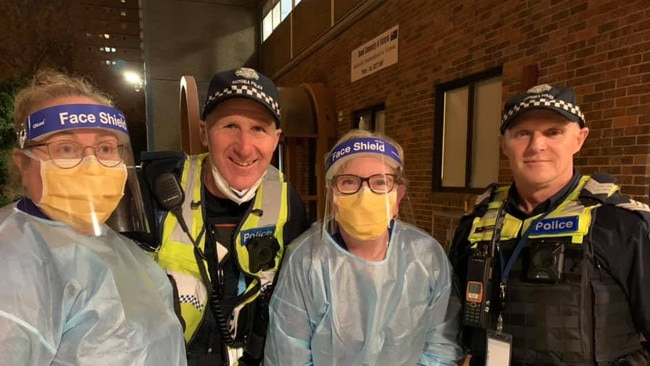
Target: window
x=370 y=119
x=274 y=12
x=267 y=26
x=276 y=15
x=285 y=8
x=466 y=143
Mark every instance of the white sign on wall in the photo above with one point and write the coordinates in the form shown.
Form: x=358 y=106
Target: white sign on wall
x=375 y=55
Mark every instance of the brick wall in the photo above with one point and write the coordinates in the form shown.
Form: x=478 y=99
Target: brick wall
x=600 y=48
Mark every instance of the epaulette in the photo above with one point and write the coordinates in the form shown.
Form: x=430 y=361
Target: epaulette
x=629 y=204
x=601 y=188
x=598 y=189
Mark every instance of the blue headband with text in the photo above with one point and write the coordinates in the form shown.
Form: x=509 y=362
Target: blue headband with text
x=363 y=145
x=73 y=116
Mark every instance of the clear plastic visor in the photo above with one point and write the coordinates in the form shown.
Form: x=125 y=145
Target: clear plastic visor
x=363 y=192
x=86 y=167
x=129 y=217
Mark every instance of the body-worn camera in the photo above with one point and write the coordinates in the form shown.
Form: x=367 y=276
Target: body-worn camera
x=261 y=252
x=479 y=288
x=546 y=261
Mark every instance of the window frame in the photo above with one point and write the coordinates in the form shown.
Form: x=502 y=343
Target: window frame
x=440 y=90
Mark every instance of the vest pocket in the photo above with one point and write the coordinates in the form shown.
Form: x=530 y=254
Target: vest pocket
x=544 y=320
x=614 y=332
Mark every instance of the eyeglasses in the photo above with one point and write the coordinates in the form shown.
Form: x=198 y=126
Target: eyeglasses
x=68 y=154
x=378 y=183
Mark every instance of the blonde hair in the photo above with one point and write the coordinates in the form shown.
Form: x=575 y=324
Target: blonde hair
x=48 y=85
x=356 y=133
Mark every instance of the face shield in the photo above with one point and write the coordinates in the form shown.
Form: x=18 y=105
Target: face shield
x=86 y=167
x=364 y=186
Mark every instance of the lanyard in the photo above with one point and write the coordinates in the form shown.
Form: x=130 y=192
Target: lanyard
x=496 y=240
x=496 y=237
x=505 y=270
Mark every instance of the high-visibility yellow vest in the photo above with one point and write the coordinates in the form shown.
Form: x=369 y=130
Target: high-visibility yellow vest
x=176 y=254
x=592 y=304
x=570 y=218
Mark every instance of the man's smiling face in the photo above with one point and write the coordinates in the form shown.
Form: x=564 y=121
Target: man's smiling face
x=241 y=136
x=540 y=145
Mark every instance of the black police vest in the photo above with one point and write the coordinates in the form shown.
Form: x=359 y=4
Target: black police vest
x=581 y=319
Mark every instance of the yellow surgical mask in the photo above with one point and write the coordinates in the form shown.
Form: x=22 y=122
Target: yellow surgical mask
x=365 y=215
x=83 y=196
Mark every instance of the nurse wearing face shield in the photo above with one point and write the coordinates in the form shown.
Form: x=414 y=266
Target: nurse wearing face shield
x=73 y=290
x=364 y=288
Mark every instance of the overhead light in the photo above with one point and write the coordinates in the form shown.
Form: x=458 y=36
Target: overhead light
x=134 y=79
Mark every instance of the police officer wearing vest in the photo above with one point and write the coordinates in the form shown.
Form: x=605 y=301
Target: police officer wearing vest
x=555 y=267
x=224 y=236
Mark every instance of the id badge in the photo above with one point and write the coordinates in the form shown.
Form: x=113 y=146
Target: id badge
x=499 y=346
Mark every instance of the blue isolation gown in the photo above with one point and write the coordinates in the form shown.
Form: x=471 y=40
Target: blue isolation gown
x=72 y=299
x=333 y=308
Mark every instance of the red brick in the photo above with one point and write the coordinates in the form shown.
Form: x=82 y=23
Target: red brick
x=624 y=141
x=624 y=122
x=621 y=160
x=599 y=47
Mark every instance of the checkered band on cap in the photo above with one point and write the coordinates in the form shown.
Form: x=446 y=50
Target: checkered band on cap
x=248 y=90
x=557 y=104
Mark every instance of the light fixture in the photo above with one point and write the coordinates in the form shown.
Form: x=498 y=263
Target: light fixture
x=134 y=79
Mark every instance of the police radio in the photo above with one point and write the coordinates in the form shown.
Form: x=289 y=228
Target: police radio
x=479 y=290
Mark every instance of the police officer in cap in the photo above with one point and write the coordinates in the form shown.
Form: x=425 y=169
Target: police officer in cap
x=554 y=266
x=222 y=244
